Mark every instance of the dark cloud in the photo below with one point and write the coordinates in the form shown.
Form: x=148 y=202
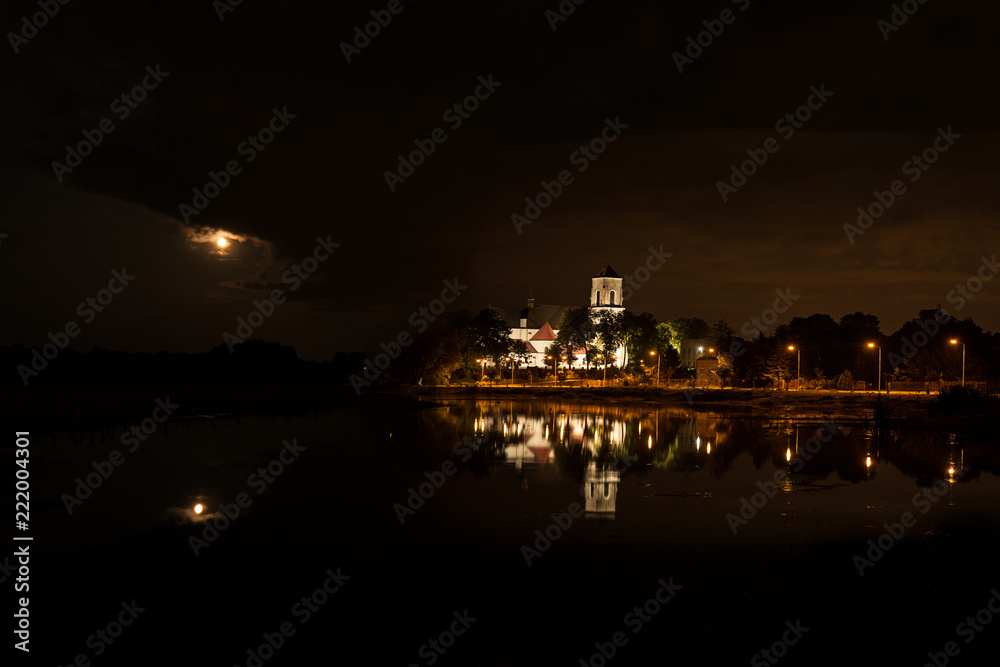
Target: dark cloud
x=324 y=173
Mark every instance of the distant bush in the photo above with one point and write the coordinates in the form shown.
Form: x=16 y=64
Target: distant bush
x=965 y=401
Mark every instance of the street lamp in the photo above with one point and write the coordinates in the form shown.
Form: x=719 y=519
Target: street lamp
x=798 y=370
x=879 y=365
x=483 y=362
x=957 y=342
x=657 y=367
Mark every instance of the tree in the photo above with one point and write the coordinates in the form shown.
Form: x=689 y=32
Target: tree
x=684 y=328
x=639 y=335
x=721 y=336
x=577 y=329
x=778 y=368
x=431 y=357
x=490 y=336
x=462 y=321
x=609 y=334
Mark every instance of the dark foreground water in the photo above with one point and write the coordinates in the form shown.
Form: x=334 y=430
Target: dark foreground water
x=388 y=535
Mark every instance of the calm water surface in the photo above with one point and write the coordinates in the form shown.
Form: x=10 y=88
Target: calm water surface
x=435 y=511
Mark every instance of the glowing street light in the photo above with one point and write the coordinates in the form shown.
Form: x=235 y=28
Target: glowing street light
x=657 y=367
x=958 y=342
x=483 y=362
x=798 y=370
x=879 y=365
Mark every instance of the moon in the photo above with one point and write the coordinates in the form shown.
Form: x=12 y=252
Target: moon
x=222 y=242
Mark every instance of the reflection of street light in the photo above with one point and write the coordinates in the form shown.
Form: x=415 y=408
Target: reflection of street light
x=957 y=342
x=657 y=368
x=798 y=371
x=879 y=365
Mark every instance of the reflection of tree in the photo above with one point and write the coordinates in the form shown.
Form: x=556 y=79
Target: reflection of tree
x=924 y=456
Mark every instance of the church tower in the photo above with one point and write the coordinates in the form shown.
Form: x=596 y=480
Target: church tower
x=606 y=292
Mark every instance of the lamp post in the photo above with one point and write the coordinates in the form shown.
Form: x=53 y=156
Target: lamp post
x=879 y=365
x=798 y=369
x=657 y=367
x=958 y=342
x=483 y=362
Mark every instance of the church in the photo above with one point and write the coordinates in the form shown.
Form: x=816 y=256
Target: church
x=536 y=326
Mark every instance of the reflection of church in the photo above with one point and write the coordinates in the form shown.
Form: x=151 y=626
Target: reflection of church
x=600 y=491
x=536 y=327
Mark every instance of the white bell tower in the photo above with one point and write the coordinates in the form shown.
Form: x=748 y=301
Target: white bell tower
x=606 y=292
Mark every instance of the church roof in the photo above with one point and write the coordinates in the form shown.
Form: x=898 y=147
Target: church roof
x=545 y=333
x=607 y=272
x=536 y=317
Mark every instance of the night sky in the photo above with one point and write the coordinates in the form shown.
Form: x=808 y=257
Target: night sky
x=343 y=124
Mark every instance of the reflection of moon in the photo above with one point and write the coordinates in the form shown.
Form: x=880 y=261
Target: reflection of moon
x=222 y=242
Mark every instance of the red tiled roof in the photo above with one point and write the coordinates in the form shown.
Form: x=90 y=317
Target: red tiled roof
x=545 y=333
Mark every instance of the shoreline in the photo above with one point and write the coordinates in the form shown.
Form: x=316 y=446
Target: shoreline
x=54 y=408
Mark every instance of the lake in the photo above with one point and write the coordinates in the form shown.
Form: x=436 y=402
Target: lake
x=517 y=532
